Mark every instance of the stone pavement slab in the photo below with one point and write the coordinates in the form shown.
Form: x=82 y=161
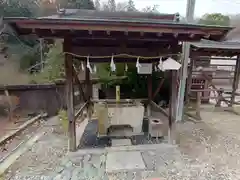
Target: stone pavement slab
x=124 y=161
x=121 y=142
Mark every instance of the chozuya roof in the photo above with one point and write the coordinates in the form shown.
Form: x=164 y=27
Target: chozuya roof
x=76 y=14
x=82 y=20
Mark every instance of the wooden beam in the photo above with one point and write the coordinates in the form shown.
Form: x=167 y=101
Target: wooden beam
x=80 y=111
x=162 y=28
x=160 y=109
x=79 y=84
x=235 y=81
x=108 y=51
x=70 y=95
x=158 y=88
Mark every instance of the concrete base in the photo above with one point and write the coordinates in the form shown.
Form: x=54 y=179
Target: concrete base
x=121 y=142
x=155 y=127
x=119 y=161
x=119 y=115
x=125 y=114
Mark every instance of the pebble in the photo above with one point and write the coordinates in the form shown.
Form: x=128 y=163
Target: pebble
x=59 y=169
x=86 y=158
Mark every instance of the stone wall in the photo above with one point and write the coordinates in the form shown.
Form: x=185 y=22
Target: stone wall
x=37 y=98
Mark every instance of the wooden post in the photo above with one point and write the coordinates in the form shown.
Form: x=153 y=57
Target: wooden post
x=10 y=108
x=88 y=91
x=235 y=81
x=189 y=80
x=172 y=108
x=219 y=99
x=198 y=105
x=70 y=95
x=149 y=79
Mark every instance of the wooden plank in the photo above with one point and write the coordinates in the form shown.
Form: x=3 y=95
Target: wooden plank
x=70 y=95
x=14 y=155
x=121 y=100
x=208 y=90
x=209 y=97
x=21 y=128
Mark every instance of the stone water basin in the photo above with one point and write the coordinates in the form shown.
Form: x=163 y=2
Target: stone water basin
x=120 y=114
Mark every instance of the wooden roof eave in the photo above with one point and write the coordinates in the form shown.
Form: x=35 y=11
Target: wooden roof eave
x=168 y=27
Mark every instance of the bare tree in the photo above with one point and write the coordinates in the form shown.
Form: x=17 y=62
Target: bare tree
x=152 y=9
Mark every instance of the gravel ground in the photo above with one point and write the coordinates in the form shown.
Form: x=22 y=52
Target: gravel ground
x=207 y=150
x=214 y=144
x=19 y=139
x=44 y=156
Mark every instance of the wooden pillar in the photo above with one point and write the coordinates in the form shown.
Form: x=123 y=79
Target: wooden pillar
x=235 y=81
x=87 y=83
x=172 y=108
x=189 y=80
x=70 y=95
x=88 y=91
x=198 y=105
x=149 y=80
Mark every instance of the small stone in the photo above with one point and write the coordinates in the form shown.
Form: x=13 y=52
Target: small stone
x=64 y=161
x=77 y=161
x=149 y=160
x=76 y=174
x=58 y=177
x=87 y=158
x=79 y=164
x=95 y=161
x=151 y=153
x=90 y=172
x=67 y=174
x=69 y=164
x=59 y=169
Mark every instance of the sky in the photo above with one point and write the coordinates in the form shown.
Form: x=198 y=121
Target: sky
x=202 y=6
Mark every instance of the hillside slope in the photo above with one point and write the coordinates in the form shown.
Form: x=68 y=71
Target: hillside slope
x=9 y=73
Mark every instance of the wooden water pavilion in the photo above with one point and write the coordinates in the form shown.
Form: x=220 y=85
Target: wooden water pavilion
x=97 y=36
x=201 y=53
